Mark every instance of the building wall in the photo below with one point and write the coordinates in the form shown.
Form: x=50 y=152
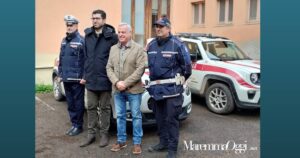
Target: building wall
x=246 y=34
x=50 y=27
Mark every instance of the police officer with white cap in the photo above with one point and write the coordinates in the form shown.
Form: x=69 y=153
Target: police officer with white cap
x=70 y=70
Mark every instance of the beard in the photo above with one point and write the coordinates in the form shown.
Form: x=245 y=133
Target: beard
x=97 y=27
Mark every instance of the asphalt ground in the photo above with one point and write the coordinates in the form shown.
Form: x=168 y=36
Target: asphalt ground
x=203 y=134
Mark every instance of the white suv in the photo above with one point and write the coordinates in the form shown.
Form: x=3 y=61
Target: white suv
x=222 y=73
x=147 y=101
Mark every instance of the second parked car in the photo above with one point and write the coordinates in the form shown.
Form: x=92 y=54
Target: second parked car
x=222 y=73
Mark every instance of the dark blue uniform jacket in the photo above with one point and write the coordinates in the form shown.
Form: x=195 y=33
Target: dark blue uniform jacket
x=166 y=58
x=71 y=58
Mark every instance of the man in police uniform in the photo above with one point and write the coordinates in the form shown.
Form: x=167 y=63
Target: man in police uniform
x=70 y=70
x=170 y=66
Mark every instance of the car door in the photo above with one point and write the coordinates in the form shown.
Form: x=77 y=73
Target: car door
x=195 y=81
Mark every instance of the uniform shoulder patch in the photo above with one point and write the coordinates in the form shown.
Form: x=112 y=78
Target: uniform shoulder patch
x=152 y=41
x=178 y=39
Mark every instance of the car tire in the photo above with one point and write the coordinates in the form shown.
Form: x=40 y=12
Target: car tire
x=219 y=99
x=57 y=91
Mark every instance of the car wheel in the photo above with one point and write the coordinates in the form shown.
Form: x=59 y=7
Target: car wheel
x=57 y=92
x=219 y=99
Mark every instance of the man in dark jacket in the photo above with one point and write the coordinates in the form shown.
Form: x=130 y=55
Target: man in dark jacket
x=70 y=68
x=98 y=40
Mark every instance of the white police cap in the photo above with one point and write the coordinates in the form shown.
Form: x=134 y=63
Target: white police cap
x=70 y=19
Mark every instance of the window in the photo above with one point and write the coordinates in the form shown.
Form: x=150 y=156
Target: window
x=225 y=11
x=194 y=50
x=126 y=11
x=141 y=14
x=254 y=7
x=139 y=31
x=158 y=8
x=223 y=50
x=164 y=7
x=199 y=12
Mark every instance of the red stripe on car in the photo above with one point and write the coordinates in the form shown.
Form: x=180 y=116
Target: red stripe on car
x=238 y=78
x=242 y=65
x=147 y=73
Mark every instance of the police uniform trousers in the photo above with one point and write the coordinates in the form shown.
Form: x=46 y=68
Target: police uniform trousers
x=167 y=113
x=75 y=98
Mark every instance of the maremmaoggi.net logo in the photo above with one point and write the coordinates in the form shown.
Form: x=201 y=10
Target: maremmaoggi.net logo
x=238 y=148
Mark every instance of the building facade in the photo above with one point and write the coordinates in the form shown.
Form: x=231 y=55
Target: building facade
x=238 y=20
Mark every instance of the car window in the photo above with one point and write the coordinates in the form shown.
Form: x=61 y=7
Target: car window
x=224 y=50
x=193 y=49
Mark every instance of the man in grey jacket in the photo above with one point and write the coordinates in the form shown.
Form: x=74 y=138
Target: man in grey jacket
x=125 y=67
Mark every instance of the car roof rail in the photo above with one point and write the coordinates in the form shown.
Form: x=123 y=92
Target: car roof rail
x=196 y=35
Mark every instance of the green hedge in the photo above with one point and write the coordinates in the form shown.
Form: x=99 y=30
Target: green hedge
x=42 y=88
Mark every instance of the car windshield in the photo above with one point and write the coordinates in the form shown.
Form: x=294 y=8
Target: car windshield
x=224 y=50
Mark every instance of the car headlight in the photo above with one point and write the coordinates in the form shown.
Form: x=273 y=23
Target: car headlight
x=255 y=78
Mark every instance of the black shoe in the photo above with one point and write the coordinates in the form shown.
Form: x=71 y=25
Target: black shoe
x=75 y=131
x=69 y=130
x=103 y=140
x=90 y=140
x=171 y=154
x=158 y=147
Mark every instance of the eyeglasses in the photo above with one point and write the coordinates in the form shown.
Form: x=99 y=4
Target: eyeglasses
x=96 y=18
x=69 y=25
x=159 y=26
